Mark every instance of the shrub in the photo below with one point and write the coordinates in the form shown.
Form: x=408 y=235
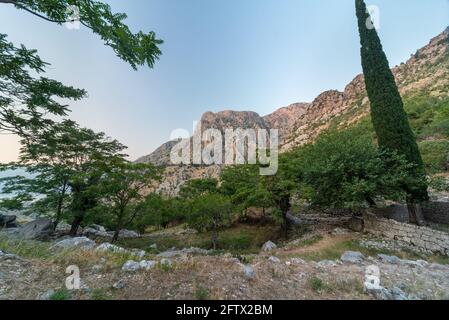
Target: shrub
x=345 y=169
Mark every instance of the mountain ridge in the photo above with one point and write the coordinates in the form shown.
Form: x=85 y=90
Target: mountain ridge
x=300 y=123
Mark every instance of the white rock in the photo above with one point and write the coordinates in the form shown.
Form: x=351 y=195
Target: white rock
x=138 y=253
x=352 y=257
x=274 y=259
x=269 y=246
x=297 y=261
x=147 y=265
x=249 y=272
x=80 y=242
x=98 y=227
x=131 y=266
x=389 y=259
x=108 y=247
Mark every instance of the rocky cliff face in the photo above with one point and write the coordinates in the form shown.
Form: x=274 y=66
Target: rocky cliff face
x=427 y=71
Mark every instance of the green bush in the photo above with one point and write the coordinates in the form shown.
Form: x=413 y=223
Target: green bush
x=346 y=169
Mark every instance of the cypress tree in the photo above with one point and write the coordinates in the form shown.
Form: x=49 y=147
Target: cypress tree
x=387 y=110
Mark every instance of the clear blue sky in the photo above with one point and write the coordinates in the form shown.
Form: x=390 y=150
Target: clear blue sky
x=218 y=54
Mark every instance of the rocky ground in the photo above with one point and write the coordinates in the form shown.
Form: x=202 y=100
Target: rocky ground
x=325 y=264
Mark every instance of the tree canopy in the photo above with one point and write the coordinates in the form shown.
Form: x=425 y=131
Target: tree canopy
x=137 y=49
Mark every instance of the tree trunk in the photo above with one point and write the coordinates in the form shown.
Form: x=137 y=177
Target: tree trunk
x=118 y=228
x=214 y=238
x=58 y=217
x=285 y=206
x=415 y=213
x=76 y=224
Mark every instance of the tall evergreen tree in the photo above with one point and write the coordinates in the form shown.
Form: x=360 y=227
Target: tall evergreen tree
x=387 y=110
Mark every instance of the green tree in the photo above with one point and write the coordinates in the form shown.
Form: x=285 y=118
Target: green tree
x=135 y=48
x=27 y=99
x=47 y=184
x=354 y=172
x=210 y=212
x=121 y=185
x=74 y=155
x=158 y=211
x=387 y=111
x=198 y=187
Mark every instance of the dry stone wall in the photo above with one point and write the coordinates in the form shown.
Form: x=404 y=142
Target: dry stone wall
x=423 y=238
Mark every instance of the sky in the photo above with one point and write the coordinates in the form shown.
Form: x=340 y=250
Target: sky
x=246 y=55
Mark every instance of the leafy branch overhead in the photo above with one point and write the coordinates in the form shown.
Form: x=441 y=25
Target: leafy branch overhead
x=25 y=99
x=138 y=49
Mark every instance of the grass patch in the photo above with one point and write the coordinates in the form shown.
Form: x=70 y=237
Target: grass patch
x=239 y=239
x=43 y=251
x=316 y=284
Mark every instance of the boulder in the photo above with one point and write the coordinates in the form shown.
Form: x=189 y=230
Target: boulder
x=274 y=259
x=147 y=265
x=78 y=243
x=269 y=246
x=8 y=221
x=108 y=247
x=97 y=227
x=249 y=272
x=63 y=227
x=394 y=294
x=352 y=257
x=297 y=261
x=39 y=229
x=131 y=266
x=389 y=259
x=138 y=253
x=125 y=234
x=356 y=224
x=94 y=233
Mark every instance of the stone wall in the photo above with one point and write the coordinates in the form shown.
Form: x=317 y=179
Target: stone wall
x=423 y=238
x=437 y=212
x=434 y=211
